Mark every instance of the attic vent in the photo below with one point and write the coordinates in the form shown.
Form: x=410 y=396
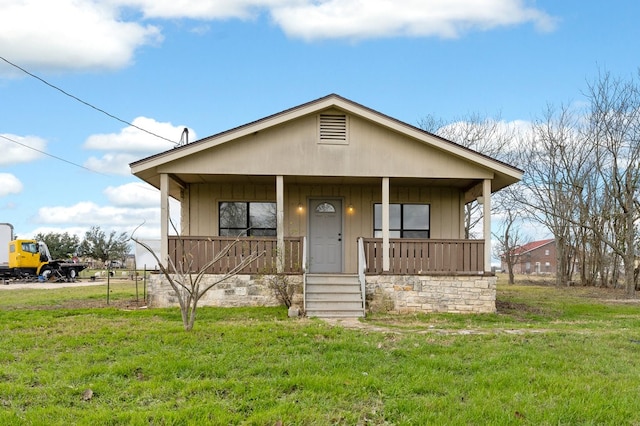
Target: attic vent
x=333 y=129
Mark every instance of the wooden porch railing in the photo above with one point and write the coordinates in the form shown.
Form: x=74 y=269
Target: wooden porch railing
x=415 y=257
x=197 y=251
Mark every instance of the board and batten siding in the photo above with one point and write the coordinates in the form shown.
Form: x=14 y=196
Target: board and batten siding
x=294 y=149
x=200 y=208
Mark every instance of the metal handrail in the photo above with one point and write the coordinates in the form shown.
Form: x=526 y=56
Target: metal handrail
x=304 y=273
x=362 y=267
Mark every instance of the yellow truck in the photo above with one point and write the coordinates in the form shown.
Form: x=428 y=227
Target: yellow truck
x=27 y=259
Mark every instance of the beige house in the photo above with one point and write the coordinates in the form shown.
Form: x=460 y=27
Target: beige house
x=362 y=210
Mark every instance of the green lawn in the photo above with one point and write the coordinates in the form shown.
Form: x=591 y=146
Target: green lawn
x=549 y=356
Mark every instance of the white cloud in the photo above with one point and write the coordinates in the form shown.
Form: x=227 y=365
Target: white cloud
x=133 y=195
x=112 y=163
x=78 y=218
x=132 y=139
x=90 y=213
x=90 y=34
x=132 y=144
x=69 y=34
x=355 y=19
x=20 y=149
x=9 y=184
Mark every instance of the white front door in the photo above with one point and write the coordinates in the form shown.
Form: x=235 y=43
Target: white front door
x=325 y=235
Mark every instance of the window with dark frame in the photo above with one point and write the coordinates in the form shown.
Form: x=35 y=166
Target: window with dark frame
x=405 y=220
x=247 y=218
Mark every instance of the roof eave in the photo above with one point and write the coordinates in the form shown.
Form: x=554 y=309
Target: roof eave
x=507 y=174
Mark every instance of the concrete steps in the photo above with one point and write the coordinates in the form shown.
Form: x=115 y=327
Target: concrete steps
x=333 y=296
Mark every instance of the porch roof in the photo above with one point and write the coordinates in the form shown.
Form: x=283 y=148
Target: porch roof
x=382 y=146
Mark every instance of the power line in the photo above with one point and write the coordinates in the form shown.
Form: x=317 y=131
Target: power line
x=67 y=161
x=51 y=155
x=62 y=159
x=85 y=102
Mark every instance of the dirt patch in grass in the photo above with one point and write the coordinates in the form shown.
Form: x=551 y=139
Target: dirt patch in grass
x=508 y=307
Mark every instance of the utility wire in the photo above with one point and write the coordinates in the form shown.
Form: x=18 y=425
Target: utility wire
x=62 y=159
x=50 y=155
x=84 y=102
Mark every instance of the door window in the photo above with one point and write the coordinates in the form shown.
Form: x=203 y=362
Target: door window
x=325 y=208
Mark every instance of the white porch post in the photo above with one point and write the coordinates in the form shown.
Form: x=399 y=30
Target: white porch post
x=164 y=218
x=486 y=216
x=385 y=224
x=280 y=224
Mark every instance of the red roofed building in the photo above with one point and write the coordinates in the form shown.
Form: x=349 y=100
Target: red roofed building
x=537 y=257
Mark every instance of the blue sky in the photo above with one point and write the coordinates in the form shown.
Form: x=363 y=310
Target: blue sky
x=213 y=65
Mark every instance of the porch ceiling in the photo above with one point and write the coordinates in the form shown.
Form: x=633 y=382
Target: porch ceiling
x=325 y=180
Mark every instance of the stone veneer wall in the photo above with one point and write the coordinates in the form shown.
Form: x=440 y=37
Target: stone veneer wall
x=399 y=293
x=239 y=290
x=453 y=294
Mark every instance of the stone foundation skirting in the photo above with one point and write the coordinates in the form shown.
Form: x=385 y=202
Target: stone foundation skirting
x=452 y=294
x=397 y=293
x=239 y=290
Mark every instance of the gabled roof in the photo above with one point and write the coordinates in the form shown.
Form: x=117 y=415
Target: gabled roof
x=504 y=174
x=519 y=251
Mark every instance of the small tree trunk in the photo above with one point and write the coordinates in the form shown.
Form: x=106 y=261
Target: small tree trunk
x=512 y=278
x=630 y=253
x=188 y=326
x=629 y=279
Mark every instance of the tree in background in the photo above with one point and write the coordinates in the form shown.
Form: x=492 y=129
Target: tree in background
x=61 y=246
x=614 y=130
x=97 y=245
x=508 y=235
x=581 y=181
x=556 y=161
x=490 y=136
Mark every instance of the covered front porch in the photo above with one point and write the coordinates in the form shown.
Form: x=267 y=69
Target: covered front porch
x=325 y=225
x=343 y=240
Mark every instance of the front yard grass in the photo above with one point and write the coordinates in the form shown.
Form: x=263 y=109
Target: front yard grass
x=549 y=356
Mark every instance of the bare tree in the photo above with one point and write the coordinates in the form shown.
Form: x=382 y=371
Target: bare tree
x=186 y=282
x=555 y=157
x=582 y=179
x=614 y=129
x=593 y=256
x=488 y=136
x=509 y=235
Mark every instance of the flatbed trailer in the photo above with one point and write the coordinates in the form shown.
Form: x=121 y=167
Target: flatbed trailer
x=53 y=272
x=30 y=260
